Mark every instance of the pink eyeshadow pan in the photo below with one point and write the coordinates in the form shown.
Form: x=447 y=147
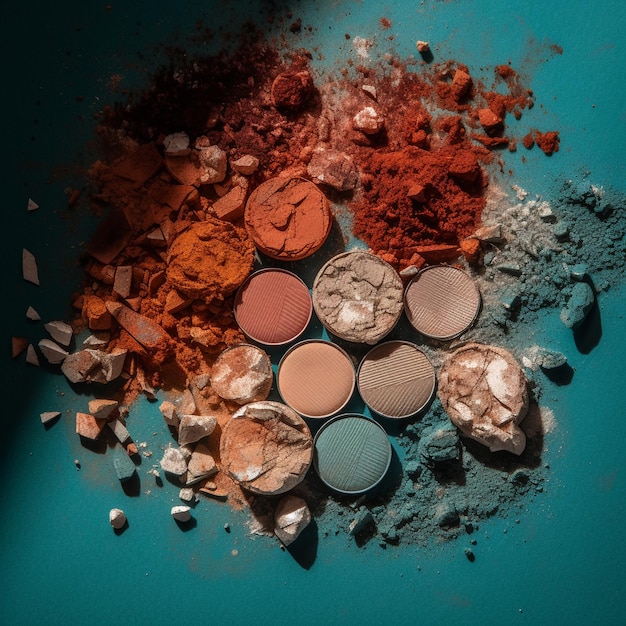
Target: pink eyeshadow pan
x=316 y=378
x=273 y=306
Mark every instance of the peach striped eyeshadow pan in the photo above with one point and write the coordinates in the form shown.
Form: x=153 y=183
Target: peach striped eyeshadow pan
x=316 y=378
x=396 y=379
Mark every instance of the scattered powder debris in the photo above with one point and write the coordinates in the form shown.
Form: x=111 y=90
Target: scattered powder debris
x=406 y=157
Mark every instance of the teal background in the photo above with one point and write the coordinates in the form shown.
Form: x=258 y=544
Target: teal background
x=563 y=563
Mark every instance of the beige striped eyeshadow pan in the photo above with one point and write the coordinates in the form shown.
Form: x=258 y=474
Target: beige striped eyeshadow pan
x=316 y=378
x=396 y=379
x=441 y=302
x=273 y=306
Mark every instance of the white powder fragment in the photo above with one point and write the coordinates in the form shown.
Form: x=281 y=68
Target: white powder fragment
x=362 y=46
x=356 y=312
x=497 y=380
x=520 y=193
x=31 y=355
x=598 y=192
x=548 y=421
x=31 y=314
x=29 y=267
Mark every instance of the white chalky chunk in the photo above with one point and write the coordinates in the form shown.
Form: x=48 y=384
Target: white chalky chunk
x=60 y=331
x=49 y=416
x=31 y=314
x=53 y=352
x=29 y=267
x=176 y=144
x=292 y=516
x=192 y=428
x=181 y=513
x=174 y=461
x=117 y=518
x=31 y=355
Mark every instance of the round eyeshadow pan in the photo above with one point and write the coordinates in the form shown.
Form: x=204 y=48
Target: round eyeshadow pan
x=396 y=379
x=273 y=306
x=358 y=297
x=352 y=453
x=316 y=378
x=288 y=218
x=442 y=302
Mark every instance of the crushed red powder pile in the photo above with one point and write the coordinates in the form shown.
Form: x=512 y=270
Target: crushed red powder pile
x=403 y=149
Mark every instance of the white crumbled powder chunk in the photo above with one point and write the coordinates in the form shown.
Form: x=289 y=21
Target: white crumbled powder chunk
x=181 y=513
x=29 y=267
x=362 y=46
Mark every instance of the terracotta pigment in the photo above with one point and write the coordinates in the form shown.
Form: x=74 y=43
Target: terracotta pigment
x=210 y=259
x=358 y=297
x=316 y=378
x=396 y=379
x=442 y=302
x=266 y=447
x=288 y=218
x=273 y=306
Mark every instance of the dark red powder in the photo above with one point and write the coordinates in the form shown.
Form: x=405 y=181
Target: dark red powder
x=528 y=141
x=548 y=141
x=396 y=226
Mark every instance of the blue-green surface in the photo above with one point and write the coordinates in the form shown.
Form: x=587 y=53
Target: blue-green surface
x=61 y=563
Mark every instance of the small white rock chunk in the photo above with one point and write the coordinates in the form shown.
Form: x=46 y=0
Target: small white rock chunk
x=60 y=331
x=53 y=352
x=181 y=513
x=333 y=168
x=246 y=165
x=291 y=517
x=174 y=461
x=192 y=428
x=201 y=464
x=31 y=355
x=185 y=404
x=117 y=518
x=31 y=314
x=49 y=416
x=213 y=161
x=176 y=144
x=29 y=267
x=97 y=341
x=368 y=121
x=370 y=90
x=32 y=205
x=87 y=366
x=168 y=411
x=187 y=494
x=102 y=408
